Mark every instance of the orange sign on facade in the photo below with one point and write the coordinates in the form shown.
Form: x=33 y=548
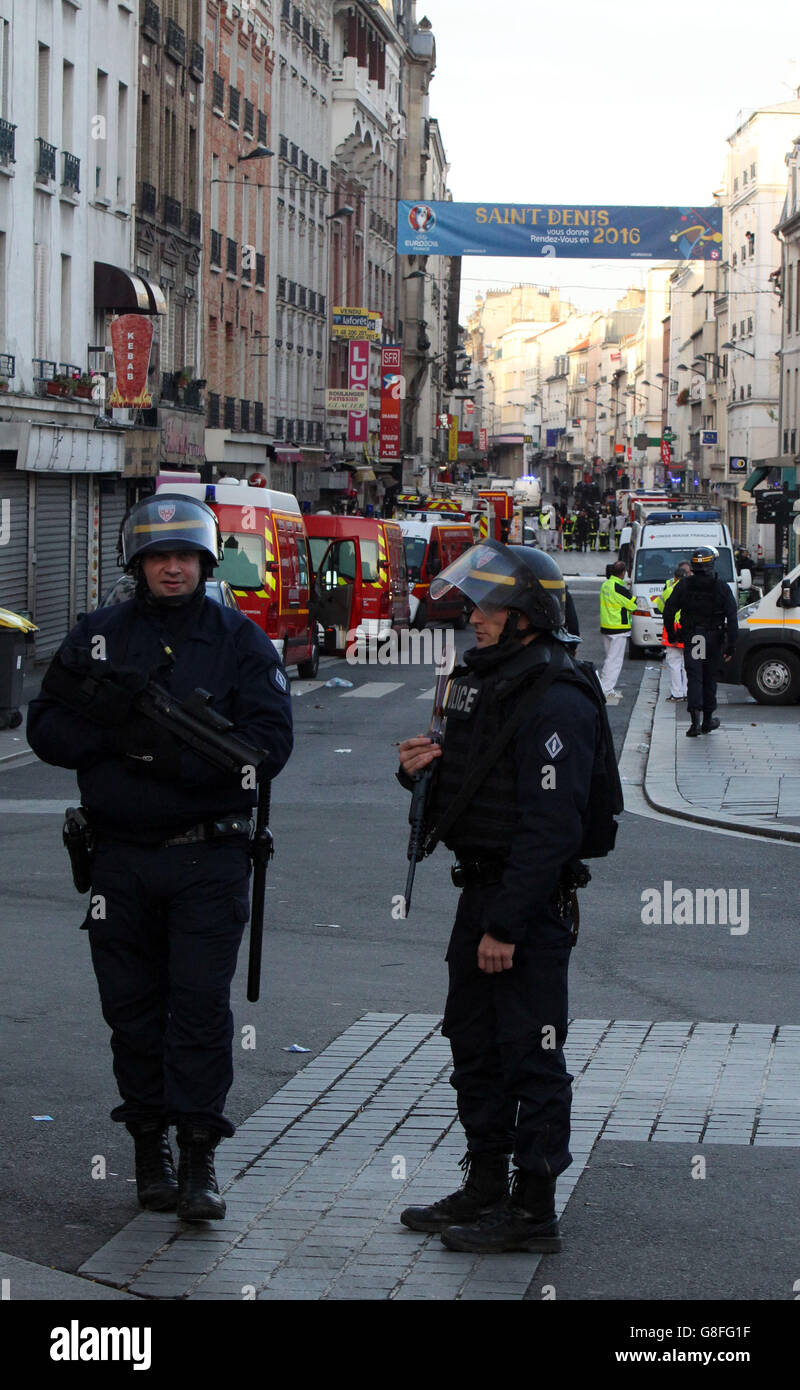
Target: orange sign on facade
x=131 y=341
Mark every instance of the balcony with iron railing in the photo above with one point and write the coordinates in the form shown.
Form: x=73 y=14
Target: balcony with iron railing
x=248 y=125
x=173 y=212
x=218 y=93
x=45 y=160
x=175 y=41
x=216 y=248
x=234 y=105
x=229 y=417
x=151 y=20
x=72 y=172
x=8 y=366
x=197 y=61
x=262 y=128
x=148 y=200
x=7 y=143
x=258 y=417
x=231 y=256
x=244 y=416
x=213 y=410
x=282 y=283
x=193 y=225
x=283 y=146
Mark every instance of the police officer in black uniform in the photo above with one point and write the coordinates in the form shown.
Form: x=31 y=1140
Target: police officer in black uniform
x=170 y=870
x=506 y=1012
x=709 y=628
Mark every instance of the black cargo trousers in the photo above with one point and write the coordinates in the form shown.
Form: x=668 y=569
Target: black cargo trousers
x=507 y=1033
x=702 y=656
x=165 y=925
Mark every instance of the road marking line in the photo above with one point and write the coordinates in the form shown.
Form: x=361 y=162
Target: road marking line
x=373 y=690
x=306 y=687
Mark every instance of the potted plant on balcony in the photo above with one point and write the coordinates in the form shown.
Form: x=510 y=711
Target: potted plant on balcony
x=82 y=387
x=184 y=376
x=683 y=396
x=58 y=385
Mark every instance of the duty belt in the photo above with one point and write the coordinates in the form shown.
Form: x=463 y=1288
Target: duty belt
x=468 y=871
x=211 y=830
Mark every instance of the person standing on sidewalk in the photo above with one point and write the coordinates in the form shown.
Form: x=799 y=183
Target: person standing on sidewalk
x=170 y=862
x=508 y=957
x=709 y=627
x=616 y=606
x=674 y=650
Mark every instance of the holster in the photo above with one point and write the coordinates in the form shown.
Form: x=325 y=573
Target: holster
x=79 y=844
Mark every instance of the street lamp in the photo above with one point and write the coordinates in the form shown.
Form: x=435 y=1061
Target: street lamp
x=734 y=347
x=260 y=152
x=345 y=211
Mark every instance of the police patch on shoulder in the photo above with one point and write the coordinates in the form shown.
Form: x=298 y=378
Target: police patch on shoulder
x=553 y=746
x=279 y=679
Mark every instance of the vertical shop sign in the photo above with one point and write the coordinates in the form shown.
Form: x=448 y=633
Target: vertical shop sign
x=358 y=380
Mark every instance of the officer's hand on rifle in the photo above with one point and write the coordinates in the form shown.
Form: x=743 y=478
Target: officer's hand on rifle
x=418 y=753
x=494 y=956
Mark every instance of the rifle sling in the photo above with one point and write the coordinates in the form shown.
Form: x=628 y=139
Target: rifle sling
x=484 y=765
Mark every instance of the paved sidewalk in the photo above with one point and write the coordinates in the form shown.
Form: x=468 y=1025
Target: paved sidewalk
x=315 y=1180
x=744 y=776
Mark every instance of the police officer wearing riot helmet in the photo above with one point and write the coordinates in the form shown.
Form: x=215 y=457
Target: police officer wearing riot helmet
x=170 y=870
x=709 y=628
x=506 y=1012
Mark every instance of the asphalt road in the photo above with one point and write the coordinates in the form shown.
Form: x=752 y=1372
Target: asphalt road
x=334 y=951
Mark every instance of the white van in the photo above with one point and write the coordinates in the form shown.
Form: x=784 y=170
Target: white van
x=767 y=654
x=661 y=544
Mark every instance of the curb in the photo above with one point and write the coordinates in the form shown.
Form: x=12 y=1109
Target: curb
x=662 y=750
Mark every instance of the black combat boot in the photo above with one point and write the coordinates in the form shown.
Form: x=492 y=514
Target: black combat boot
x=156 y=1183
x=709 y=723
x=198 y=1193
x=527 y=1221
x=694 y=728
x=485 y=1187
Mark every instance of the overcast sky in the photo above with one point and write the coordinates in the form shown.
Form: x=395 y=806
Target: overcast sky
x=598 y=101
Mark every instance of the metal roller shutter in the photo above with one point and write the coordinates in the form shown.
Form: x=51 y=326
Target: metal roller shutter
x=113 y=506
x=52 y=545
x=80 y=534
x=13 y=535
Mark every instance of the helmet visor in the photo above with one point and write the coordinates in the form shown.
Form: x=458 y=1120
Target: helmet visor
x=486 y=575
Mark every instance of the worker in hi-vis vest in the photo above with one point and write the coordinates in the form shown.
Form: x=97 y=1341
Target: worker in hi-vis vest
x=616 y=606
x=673 y=651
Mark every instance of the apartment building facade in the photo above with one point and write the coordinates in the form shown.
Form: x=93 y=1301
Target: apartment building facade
x=68 y=81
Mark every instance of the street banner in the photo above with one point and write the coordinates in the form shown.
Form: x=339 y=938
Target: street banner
x=465 y=436
x=469 y=407
x=452 y=439
x=526 y=229
x=364 y=324
x=482 y=439
x=392 y=392
x=358 y=380
x=131 y=341
x=340 y=398
x=666 y=452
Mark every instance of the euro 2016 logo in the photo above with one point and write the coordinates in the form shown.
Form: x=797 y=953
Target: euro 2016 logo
x=422 y=218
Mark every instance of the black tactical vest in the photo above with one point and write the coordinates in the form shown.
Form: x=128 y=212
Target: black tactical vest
x=482 y=696
x=702 y=603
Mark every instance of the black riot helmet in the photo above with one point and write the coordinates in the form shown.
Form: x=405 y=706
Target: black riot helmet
x=703 y=559
x=519 y=577
x=169 y=521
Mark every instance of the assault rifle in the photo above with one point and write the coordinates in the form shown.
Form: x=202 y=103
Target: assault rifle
x=108 y=696
x=423 y=782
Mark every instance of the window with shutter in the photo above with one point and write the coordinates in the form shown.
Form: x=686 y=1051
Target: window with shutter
x=40 y=298
x=43 y=94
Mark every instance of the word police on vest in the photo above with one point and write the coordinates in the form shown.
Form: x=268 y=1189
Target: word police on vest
x=681 y=907
x=76 y=1343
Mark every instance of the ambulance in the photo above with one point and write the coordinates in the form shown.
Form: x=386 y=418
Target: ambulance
x=767 y=655
x=662 y=542
x=360 y=585
x=430 y=545
x=265 y=561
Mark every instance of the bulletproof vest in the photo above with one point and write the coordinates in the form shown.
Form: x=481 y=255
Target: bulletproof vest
x=478 y=706
x=702 y=605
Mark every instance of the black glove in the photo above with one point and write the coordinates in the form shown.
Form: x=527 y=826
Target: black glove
x=96 y=689
x=152 y=749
